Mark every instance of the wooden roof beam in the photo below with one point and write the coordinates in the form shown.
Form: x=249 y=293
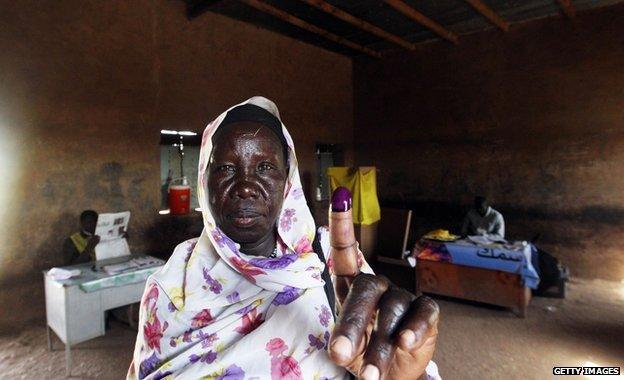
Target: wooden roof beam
x=568 y=8
x=194 y=8
x=412 y=13
x=488 y=13
x=344 y=16
x=284 y=16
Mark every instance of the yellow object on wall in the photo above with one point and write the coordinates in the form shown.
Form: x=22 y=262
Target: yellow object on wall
x=362 y=182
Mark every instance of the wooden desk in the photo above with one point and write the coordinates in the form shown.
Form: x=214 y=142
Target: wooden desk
x=473 y=284
x=76 y=315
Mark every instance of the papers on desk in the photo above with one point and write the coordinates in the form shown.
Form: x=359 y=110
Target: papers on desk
x=485 y=240
x=136 y=263
x=111 y=228
x=63 y=274
x=481 y=240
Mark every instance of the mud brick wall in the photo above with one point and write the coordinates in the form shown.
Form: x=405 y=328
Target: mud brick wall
x=86 y=87
x=532 y=118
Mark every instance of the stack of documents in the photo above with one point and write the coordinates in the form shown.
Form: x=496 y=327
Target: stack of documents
x=133 y=264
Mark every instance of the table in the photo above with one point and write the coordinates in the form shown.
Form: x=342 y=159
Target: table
x=494 y=274
x=473 y=284
x=75 y=307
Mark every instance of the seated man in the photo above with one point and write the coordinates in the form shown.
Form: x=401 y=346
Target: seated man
x=483 y=220
x=80 y=246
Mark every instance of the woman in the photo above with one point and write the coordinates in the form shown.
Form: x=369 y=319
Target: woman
x=246 y=299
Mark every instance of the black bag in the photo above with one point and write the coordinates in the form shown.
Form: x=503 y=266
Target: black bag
x=551 y=272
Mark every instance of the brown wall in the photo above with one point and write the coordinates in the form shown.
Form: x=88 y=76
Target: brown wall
x=533 y=118
x=86 y=86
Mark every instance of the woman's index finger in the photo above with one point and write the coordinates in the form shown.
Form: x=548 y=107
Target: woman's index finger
x=343 y=250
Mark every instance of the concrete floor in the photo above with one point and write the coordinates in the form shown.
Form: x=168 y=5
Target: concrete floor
x=476 y=341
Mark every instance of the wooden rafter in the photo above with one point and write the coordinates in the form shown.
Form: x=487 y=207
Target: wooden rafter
x=344 y=16
x=264 y=7
x=412 y=13
x=488 y=13
x=567 y=7
x=194 y=8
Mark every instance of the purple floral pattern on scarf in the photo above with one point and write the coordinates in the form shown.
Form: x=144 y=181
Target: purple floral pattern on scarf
x=287 y=296
x=234 y=297
x=274 y=263
x=318 y=342
x=232 y=372
x=288 y=218
x=207 y=339
x=214 y=285
x=223 y=241
x=208 y=357
x=148 y=365
x=325 y=315
x=161 y=375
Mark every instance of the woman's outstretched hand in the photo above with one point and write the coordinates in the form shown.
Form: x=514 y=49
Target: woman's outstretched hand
x=382 y=331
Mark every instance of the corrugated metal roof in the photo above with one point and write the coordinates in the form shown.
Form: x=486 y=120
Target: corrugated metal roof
x=456 y=16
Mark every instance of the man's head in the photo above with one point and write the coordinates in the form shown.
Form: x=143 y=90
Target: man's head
x=88 y=221
x=481 y=205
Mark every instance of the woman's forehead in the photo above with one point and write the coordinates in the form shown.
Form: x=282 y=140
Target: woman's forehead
x=244 y=129
x=238 y=133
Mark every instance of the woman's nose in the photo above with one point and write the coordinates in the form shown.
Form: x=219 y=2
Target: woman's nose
x=246 y=189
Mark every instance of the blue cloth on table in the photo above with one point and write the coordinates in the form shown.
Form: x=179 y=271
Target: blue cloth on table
x=518 y=261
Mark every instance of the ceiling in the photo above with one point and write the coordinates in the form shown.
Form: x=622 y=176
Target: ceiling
x=455 y=18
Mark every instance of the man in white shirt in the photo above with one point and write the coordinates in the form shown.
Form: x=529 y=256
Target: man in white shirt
x=483 y=220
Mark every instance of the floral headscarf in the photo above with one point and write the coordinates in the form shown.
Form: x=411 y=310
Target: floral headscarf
x=214 y=312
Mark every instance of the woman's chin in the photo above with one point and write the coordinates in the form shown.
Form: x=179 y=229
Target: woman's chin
x=244 y=234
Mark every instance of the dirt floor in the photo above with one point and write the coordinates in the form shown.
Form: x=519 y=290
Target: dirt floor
x=476 y=341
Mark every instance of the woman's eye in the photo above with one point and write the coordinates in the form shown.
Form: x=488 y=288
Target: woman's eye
x=226 y=168
x=265 y=166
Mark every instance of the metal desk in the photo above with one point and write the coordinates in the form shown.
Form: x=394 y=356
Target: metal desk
x=75 y=307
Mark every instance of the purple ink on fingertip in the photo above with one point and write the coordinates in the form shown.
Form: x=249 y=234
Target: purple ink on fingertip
x=341 y=200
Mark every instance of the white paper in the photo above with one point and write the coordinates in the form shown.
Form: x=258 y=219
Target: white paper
x=63 y=274
x=112 y=248
x=480 y=240
x=110 y=228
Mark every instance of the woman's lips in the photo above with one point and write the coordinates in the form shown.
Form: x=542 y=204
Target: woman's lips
x=245 y=219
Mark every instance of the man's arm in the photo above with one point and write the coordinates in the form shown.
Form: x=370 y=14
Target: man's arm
x=70 y=253
x=499 y=228
x=90 y=249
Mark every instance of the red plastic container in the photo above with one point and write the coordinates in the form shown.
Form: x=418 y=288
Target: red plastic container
x=179 y=199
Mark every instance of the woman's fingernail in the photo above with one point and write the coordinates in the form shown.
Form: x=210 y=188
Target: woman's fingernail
x=370 y=372
x=408 y=337
x=342 y=347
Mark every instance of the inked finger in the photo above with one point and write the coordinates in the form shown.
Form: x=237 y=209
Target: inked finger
x=393 y=306
x=419 y=324
x=343 y=252
x=356 y=313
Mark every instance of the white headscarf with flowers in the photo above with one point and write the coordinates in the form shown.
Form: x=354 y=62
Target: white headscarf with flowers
x=214 y=312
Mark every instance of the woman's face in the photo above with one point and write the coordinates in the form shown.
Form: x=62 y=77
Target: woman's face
x=246 y=178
